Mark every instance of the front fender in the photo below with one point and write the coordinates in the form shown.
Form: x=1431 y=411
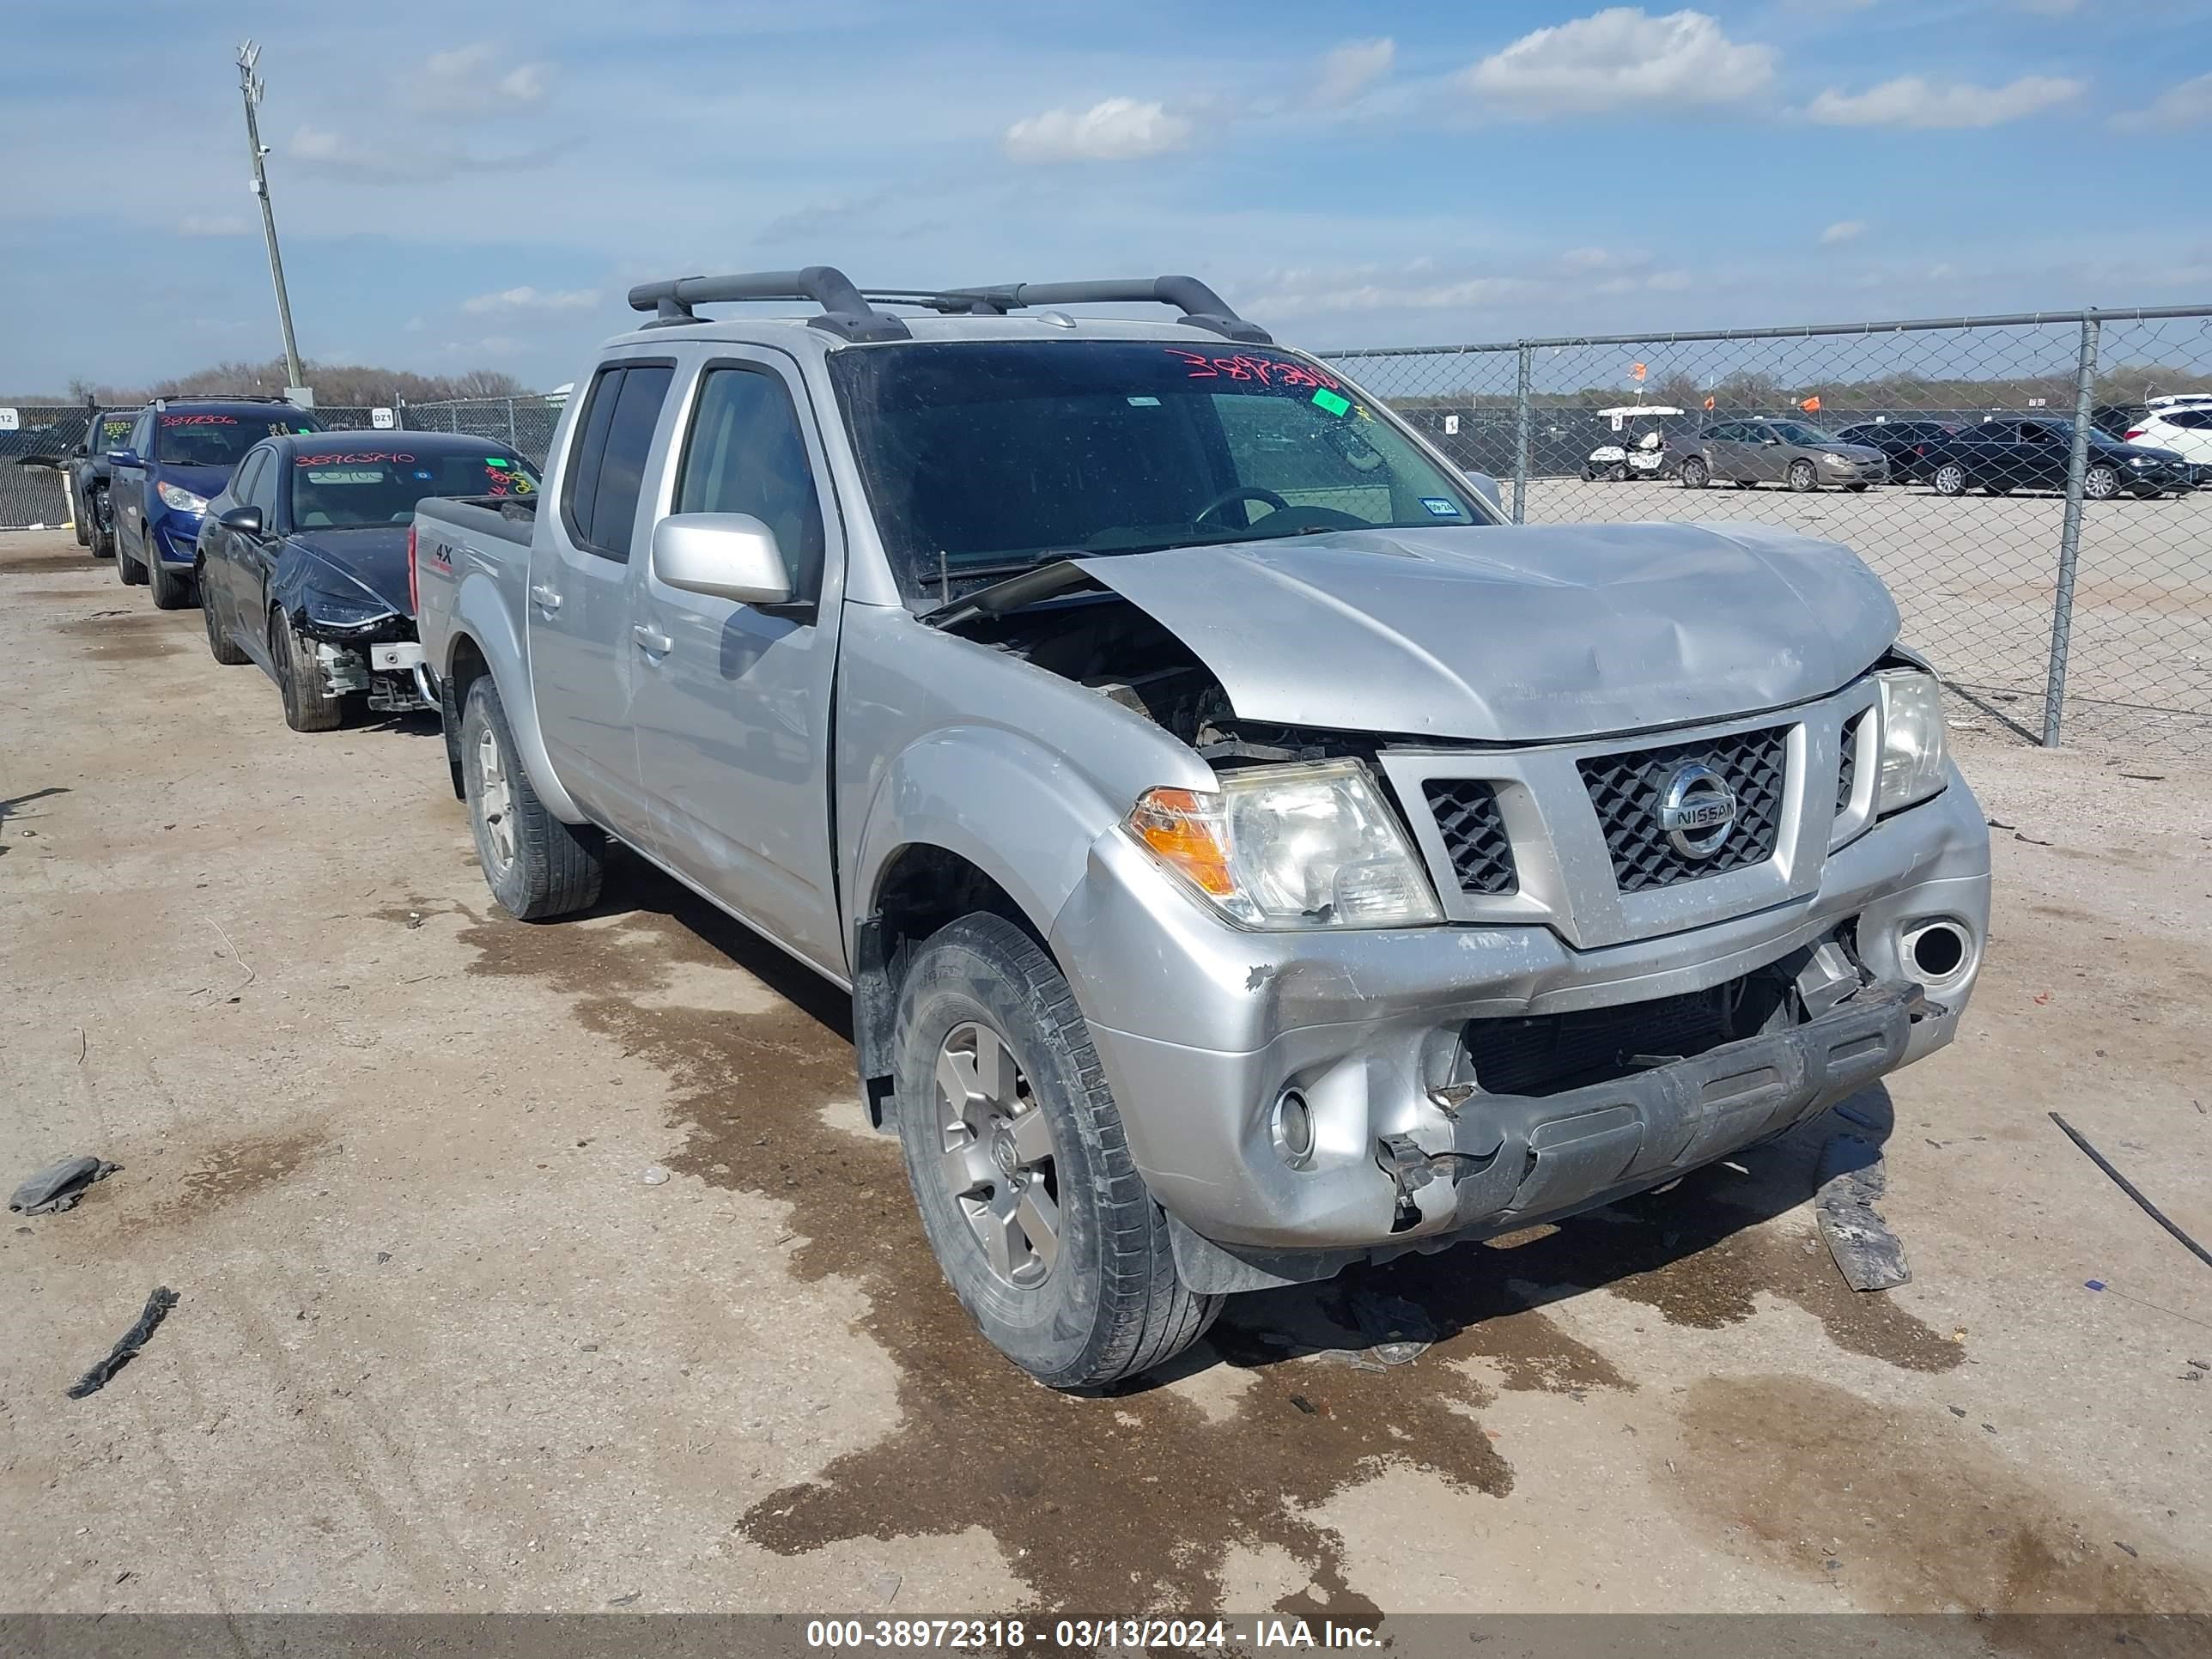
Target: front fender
x=480 y=616
x=1008 y=805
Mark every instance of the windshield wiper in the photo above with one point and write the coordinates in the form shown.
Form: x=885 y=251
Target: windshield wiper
x=1035 y=583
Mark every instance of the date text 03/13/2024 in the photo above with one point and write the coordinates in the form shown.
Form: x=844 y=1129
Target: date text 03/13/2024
x=1088 y=1635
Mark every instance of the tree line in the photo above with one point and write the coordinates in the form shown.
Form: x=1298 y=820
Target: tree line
x=334 y=384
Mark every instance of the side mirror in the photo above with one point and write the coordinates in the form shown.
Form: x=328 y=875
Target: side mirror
x=1770 y=439
x=725 y=556
x=246 y=521
x=1486 y=487
x=122 y=458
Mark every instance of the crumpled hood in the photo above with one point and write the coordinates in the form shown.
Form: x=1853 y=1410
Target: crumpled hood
x=1516 y=634
x=371 y=561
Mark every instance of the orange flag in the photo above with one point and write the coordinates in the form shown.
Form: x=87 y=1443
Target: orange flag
x=1636 y=371
x=1709 y=403
x=1811 y=406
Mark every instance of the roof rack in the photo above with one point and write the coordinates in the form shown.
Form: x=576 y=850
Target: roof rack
x=852 y=315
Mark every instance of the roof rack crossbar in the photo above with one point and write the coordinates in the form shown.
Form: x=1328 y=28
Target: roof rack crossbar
x=844 y=311
x=1200 y=305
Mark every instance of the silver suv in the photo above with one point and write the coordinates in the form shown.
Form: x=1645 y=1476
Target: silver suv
x=1248 y=853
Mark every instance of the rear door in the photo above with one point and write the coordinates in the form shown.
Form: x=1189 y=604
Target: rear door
x=584 y=662
x=733 y=703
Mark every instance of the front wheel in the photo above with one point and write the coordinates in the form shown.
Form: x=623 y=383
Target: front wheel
x=300 y=680
x=1618 y=473
x=1021 y=1168
x=171 y=590
x=1950 y=479
x=128 y=570
x=537 y=866
x=1804 y=478
x=1694 y=474
x=2101 y=483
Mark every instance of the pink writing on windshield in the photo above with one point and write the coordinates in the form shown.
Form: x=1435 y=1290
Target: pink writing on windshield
x=1267 y=371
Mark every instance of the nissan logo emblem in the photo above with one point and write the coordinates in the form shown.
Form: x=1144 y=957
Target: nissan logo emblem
x=1697 y=811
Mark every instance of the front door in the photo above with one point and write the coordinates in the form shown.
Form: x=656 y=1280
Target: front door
x=732 y=710
x=126 y=493
x=583 y=661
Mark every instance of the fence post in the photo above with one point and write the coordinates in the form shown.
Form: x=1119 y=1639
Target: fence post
x=510 y=423
x=2069 y=532
x=1520 y=422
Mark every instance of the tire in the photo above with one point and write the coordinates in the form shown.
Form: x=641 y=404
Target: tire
x=300 y=681
x=103 y=524
x=128 y=570
x=171 y=590
x=539 y=867
x=220 y=644
x=1948 y=479
x=1589 y=475
x=1804 y=477
x=1695 y=473
x=80 y=516
x=1618 y=473
x=2100 y=482
x=1104 y=1300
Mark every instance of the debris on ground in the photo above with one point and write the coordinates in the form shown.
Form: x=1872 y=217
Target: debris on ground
x=60 y=1185
x=653 y=1176
x=1395 y=1329
x=2133 y=1191
x=127 y=1347
x=1870 y=1257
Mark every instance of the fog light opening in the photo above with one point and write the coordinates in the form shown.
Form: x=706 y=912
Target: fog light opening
x=1936 y=951
x=1289 y=1126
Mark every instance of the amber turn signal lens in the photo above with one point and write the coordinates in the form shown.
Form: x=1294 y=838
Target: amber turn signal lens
x=1185 y=832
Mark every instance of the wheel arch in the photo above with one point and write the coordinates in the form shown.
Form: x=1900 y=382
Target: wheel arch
x=481 y=620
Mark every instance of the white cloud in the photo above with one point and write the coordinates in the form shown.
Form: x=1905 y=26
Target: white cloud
x=1844 y=230
x=1913 y=101
x=1623 y=58
x=212 y=224
x=1354 y=67
x=1118 y=130
x=532 y=299
x=2187 y=105
x=474 y=72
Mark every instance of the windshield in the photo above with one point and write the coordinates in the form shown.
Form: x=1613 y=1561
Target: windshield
x=1799 y=432
x=983 y=459
x=372 y=486
x=217 y=439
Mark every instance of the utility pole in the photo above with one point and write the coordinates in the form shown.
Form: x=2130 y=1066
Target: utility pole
x=250 y=89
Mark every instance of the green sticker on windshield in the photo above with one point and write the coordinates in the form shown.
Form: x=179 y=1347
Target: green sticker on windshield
x=494 y=460
x=1329 y=401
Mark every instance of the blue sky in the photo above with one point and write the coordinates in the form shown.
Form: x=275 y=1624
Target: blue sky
x=475 y=185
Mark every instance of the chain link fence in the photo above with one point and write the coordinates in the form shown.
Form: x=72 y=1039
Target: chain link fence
x=1999 y=473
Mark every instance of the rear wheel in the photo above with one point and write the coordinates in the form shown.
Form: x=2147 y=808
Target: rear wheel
x=300 y=680
x=220 y=645
x=1950 y=479
x=1021 y=1168
x=1804 y=477
x=537 y=866
x=1695 y=475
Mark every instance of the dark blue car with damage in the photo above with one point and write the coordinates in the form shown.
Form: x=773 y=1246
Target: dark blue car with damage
x=180 y=454
x=305 y=564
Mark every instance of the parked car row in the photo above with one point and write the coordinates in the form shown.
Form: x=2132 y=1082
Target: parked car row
x=292 y=540
x=1249 y=855
x=2168 y=451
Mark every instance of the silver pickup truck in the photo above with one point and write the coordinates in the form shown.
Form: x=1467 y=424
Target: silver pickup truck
x=1248 y=854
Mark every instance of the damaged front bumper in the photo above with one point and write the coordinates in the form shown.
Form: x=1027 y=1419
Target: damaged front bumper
x=1407 y=1050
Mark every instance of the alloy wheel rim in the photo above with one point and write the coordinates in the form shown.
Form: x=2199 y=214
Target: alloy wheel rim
x=1948 y=479
x=496 y=800
x=2101 y=483
x=995 y=1154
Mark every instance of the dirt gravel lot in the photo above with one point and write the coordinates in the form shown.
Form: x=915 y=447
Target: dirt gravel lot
x=441 y=1346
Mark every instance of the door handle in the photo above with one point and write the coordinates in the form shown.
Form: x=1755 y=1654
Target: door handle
x=653 y=644
x=546 y=597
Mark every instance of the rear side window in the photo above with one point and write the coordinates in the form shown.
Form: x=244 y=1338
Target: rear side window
x=607 y=472
x=747 y=454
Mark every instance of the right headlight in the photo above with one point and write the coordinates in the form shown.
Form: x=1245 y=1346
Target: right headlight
x=1280 y=847
x=1912 y=751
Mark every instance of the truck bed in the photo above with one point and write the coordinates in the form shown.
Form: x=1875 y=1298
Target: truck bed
x=508 y=518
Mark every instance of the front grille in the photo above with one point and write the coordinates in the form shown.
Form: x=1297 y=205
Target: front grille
x=1625 y=788
x=1847 y=769
x=1474 y=834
